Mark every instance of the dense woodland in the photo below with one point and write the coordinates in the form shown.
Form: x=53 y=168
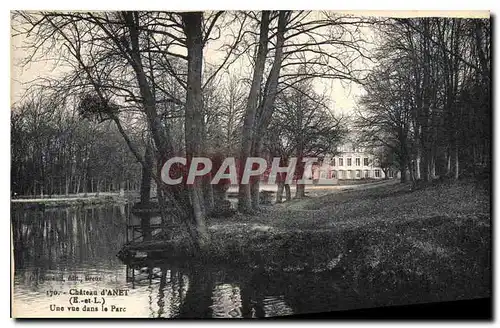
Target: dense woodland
x=55 y=152
x=427 y=106
x=133 y=89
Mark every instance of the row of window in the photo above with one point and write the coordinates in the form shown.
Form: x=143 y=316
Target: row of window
x=349 y=161
x=349 y=174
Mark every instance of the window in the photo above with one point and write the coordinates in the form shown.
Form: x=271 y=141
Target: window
x=358 y=174
x=377 y=173
x=367 y=175
x=358 y=162
x=333 y=162
x=341 y=161
x=349 y=174
x=349 y=161
x=365 y=161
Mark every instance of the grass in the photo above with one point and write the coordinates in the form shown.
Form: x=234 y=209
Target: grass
x=388 y=244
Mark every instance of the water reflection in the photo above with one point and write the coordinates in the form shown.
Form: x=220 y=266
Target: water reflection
x=59 y=242
x=68 y=238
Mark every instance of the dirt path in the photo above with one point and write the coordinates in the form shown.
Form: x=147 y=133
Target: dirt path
x=330 y=188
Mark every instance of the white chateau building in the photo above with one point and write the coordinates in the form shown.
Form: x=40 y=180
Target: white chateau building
x=351 y=163
x=356 y=163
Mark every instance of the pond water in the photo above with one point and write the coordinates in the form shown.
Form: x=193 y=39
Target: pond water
x=60 y=254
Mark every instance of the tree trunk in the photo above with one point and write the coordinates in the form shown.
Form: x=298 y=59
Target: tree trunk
x=300 y=189
x=208 y=193
x=78 y=186
x=448 y=163
x=418 y=161
x=402 y=168
x=147 y=170
x=85 y=182
x=244 y=190
x=255 y=192
x=279 y=193
x=180 y=198
x=288 y=192
x=68 y=180
x=145 y=192
x=194 y=117
x=456 y=165
x=433 y=167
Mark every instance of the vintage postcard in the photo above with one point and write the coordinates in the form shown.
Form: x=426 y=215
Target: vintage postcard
x=250 y=164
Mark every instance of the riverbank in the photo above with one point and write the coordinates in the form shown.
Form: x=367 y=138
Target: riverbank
x=81 y=199
x=68 y=201
x=389 y=244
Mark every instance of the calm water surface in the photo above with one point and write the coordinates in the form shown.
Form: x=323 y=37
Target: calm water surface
x=81 y=243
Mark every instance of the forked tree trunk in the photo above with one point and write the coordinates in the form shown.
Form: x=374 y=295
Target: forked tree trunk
x=178 y=197
x=244 y=190
x=266 y=109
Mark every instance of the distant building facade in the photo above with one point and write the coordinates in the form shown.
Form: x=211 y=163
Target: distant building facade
x=351 y=163
x=356 y=163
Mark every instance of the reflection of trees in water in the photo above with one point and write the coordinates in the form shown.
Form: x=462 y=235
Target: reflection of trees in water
x=226 y=301
x=237 y=294
x=171 y=293
x=62 y=237
x=200 y=292
x=166 y=289
x=65 y=238
x=198 y=298
x=177 y=292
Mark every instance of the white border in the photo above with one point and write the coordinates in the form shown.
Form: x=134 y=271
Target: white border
x=191 y=5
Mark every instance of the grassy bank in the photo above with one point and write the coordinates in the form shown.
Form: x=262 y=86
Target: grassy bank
x=389 y=244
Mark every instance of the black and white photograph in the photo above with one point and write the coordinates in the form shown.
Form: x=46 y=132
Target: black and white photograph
x=251 y=164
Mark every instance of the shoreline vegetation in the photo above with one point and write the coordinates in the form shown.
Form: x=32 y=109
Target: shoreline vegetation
x=390 y=244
